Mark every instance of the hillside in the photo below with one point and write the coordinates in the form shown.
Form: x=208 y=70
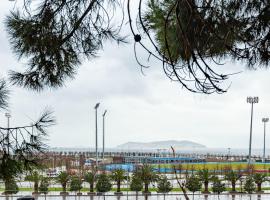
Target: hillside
x=161 y=145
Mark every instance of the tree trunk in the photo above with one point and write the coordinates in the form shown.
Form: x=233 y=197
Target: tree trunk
x=91 y=187
x=146 y=188
x=118 y=186
x=184 y=191
x=233 y=186
x=206 y=186
x=64 y=187
x=259 y=187
x=36 y=187
x=179 y=183
x=6 y=186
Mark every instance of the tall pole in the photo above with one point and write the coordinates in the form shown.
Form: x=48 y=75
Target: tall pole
x=8 y=117
x=250 y=136
x=264 y=120
x=103 y=146
x=251 y=100
x=96 y=107
x=229 y=153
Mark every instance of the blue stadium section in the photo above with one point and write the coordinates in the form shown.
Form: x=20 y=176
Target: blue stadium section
x=126 y=167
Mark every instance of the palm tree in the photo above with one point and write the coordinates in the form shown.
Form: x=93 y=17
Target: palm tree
x=205 y=178
x=34 y=177
x=232 y=177
x=147 y=175
x=118 y=176
x=90 y=178
x=63 y=179
x=259 y=179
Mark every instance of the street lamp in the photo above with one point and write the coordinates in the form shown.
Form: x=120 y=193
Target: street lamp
x=96 y=107
x=8 y=116
x=264 y=120
x=251 y=100
x=103 y=147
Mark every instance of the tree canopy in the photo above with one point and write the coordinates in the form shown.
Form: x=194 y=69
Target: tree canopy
x=19 y=146
x=190 y=38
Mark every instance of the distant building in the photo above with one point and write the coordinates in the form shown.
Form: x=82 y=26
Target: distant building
x=160 y=160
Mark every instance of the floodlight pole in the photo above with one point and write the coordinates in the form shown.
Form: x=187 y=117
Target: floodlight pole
x=251 y=100
x=103 y=147
x=96 y=108
x=8 y=116
x=229 y=153
x=264 y=120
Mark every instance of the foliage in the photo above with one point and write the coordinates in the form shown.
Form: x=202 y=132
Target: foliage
x=147 y=175
x=63 y=178
x=218 y=187
x=4 y=94
x=103 y=183
x=34 y=177
x=56 y=35
x=118 y=176
x=90 y=178
x=190 y=38
x=232 y=176
x=249 y=185
x=44 y=185
x=164 y=185
x=205 y=177
x=11 y=187
x=75 y=184
x=136 y=183
x=259 y=179
x=19 y=146
x=193 y=183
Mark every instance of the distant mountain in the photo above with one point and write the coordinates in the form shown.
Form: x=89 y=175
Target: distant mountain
x=161 y=145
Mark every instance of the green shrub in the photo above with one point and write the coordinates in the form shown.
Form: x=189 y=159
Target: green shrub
x=193 y=183
x=218 y=187
x=103 y=183
x=11 y=187
x=75 y=184
x=249 y=186
x=44 y=186
x=164 y=186
x=136 y=184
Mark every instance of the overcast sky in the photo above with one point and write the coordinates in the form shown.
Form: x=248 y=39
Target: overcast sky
x=140 y=108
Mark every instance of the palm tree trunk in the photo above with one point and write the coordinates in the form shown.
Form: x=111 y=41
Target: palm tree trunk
x=259 y=186
x=146 y=188
x=206 y=186
x=118 y=186
x=233 y=186
x=64 y=186
x=91 y=187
